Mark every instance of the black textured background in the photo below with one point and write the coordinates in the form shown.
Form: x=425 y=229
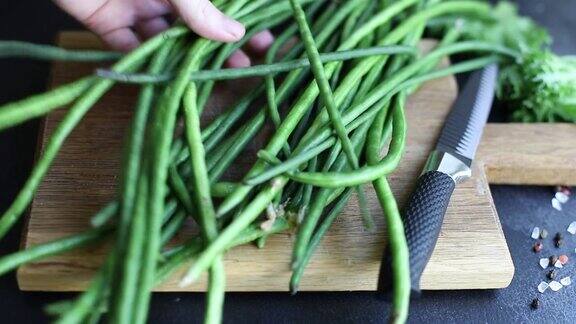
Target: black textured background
x=520 y=209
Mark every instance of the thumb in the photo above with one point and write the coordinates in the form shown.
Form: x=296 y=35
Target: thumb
x=207 y=21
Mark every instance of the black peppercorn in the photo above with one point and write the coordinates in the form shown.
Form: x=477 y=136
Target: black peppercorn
x=553 y=260
x=535 y=303
x=558 y=243
x=558 y=236
x=552 y=274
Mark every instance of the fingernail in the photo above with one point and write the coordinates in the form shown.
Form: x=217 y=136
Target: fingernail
x=234 y=28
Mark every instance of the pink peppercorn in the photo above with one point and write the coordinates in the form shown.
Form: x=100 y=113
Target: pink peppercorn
x=563 y=259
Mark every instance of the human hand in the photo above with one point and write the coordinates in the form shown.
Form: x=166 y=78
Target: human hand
x=122 y=24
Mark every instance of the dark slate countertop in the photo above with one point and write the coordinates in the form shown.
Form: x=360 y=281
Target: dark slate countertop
x=520 y=208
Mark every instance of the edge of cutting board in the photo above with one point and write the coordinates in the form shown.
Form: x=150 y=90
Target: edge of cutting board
x=529 y=154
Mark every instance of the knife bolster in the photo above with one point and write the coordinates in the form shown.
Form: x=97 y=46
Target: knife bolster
x=448 y=164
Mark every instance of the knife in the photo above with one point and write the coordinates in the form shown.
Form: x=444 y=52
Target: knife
x=449 y=164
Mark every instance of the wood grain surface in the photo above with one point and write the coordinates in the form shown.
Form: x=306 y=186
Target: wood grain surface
x=84 y=177
x=530 y=154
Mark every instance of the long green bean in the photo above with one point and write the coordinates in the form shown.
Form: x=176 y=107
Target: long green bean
x=396 y=238
x=105 y=214
x=18 y=49
x=12 y=261
x=204 y=203
x=15 y=113
x=256 y=70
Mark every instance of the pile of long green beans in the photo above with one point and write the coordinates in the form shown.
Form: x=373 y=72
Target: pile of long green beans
x=333 y=114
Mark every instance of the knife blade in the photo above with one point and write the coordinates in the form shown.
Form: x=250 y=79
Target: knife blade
x=449 y=164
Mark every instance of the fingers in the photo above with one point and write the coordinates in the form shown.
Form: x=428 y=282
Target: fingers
x=151 y=27
x=261 y=42
x=258 y=45
x=238 y=59
x=121 y=39
x=207 y=21
x=112 y=22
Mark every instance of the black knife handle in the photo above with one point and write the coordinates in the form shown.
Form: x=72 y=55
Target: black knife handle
x=422 y=219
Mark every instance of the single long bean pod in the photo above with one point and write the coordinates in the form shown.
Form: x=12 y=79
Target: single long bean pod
x=14 y=113
x=397 y=244
x=256 y=70
x=104 y=215
x=18 y=49
x=272 y=106
x=204 y=202
x=76 y=113
x=12 y=261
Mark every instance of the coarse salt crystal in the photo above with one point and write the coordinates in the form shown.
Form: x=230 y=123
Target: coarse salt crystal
x=558 y=264
x=544 y=262
x=572 y=228
x=556 y=204
x=536 y=233
x=562 y=197
x=555 y=285
x=566 y=281
x=542 y=287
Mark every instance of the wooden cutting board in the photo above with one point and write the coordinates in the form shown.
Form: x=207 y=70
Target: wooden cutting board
x=471 y=252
